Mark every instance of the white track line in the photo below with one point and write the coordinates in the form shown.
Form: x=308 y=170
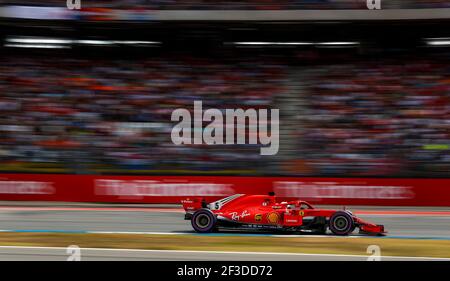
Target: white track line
x=219 y=252
x=193 y=233
x=226 y=234
x=221 y=234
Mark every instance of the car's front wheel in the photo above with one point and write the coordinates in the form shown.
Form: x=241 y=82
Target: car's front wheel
x=203 y=221
x=341 y=223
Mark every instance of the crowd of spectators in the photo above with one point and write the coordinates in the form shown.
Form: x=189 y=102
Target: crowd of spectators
x=95 y=115
x=239 y=4
x=384 y=117
x=359 y=117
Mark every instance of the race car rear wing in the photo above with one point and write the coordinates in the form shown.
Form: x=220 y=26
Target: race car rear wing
x=194 y=203
x=190 y=205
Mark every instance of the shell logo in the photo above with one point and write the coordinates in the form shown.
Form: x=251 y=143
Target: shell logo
x=273 y=217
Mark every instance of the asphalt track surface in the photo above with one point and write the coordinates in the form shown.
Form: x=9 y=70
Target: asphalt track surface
x=415 y=223
x=400 y=222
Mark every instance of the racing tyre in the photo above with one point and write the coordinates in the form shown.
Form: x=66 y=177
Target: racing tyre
x=341 y=223
x=204 y=221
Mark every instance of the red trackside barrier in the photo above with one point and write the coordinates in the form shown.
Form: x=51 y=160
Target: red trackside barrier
x=171 y=189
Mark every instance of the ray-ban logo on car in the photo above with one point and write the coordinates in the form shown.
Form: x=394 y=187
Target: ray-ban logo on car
x=236 y=217
x=190 y=129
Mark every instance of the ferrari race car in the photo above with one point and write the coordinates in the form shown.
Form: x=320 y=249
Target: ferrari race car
x=263 y=212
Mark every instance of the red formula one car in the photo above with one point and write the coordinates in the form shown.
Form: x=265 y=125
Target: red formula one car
x=263 y=212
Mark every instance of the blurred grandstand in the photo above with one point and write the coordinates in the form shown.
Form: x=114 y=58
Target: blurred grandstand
x=95 y=102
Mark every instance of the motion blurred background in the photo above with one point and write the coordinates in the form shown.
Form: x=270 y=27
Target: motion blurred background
x=363 y=97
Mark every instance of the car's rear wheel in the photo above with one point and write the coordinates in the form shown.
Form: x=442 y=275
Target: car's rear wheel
x=341 y=223
x=203 y=221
